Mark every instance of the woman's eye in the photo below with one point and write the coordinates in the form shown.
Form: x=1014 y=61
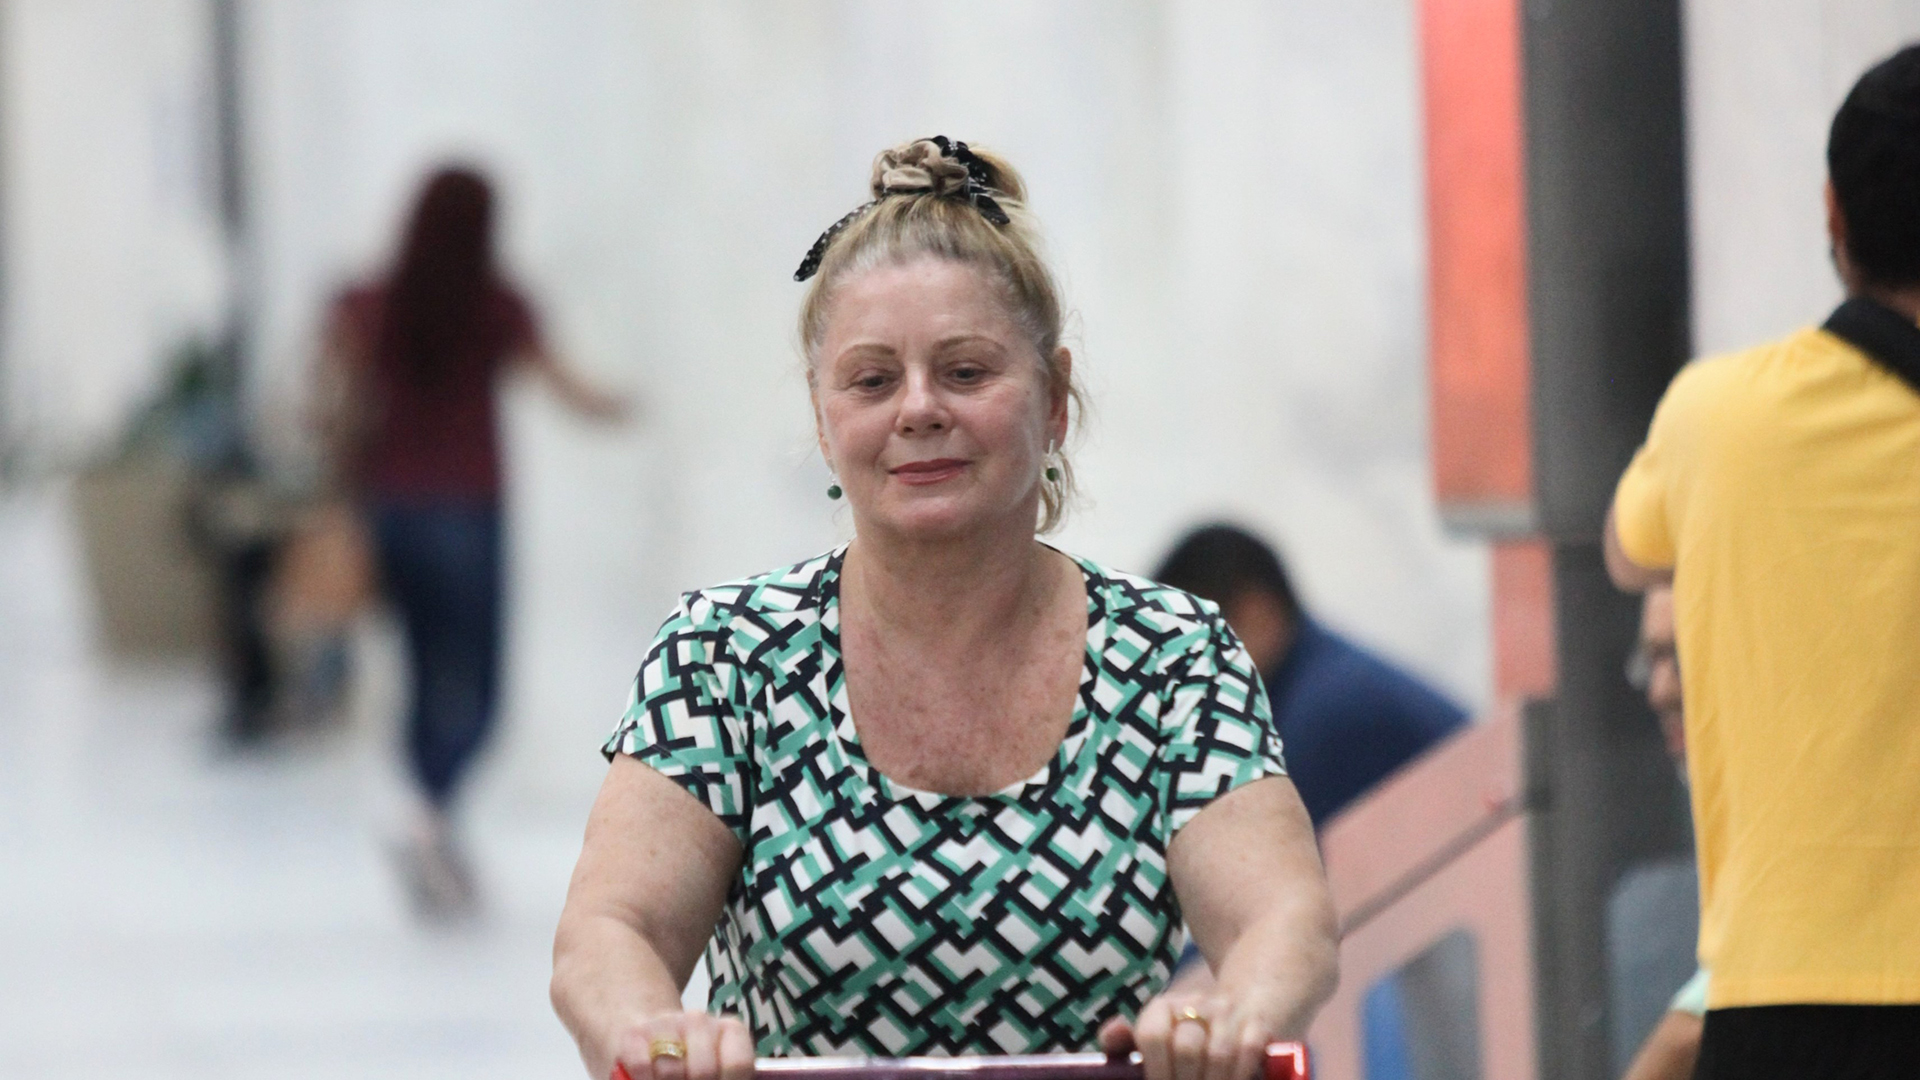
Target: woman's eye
x=968 y=374
x=870 y=382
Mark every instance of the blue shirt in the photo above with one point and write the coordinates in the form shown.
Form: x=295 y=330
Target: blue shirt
x=1349 y=719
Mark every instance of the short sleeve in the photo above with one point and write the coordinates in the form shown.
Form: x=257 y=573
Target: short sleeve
x=1218 y=725
x=1640 y=512
x=1642 y=499
x=685 y=717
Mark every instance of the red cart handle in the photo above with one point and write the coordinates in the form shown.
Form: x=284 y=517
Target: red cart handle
x=1285 y=1061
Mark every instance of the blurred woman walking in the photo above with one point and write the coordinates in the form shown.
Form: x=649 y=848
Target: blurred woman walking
x=413 y=358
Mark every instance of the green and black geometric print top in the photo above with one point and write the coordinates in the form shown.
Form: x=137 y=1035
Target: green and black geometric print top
x=872 y=918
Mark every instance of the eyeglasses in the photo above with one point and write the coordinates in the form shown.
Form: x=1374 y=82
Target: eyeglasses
x=1645 y=658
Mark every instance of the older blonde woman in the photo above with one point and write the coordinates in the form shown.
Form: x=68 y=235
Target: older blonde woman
x=945 y=789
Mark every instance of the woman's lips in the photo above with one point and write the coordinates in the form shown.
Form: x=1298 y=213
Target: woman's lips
x=928 y=472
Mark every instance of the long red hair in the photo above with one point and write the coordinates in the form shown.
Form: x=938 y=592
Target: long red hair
x=443 y=276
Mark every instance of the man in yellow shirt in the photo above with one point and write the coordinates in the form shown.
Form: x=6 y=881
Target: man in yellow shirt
x=1779 y=492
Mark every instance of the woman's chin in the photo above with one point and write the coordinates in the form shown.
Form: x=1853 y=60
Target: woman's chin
x=933 y=519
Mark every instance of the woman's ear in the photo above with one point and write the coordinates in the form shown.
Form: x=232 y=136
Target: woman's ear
x=819 y=425
x=1062 y=393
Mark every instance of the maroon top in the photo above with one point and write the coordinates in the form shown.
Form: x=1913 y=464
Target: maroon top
x=435 y=439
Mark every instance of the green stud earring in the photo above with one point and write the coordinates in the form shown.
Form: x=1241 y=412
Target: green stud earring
x=1053 y=473
x=833 y=490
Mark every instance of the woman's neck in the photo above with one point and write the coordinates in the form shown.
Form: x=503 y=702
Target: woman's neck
x=951 y=589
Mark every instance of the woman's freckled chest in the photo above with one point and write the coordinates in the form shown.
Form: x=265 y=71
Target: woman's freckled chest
x=974 y=720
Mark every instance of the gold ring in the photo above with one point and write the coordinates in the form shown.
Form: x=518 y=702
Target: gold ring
x=1193 y=1014
x=667 y=1048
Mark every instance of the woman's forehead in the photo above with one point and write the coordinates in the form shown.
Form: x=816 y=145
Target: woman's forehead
x=923 y=298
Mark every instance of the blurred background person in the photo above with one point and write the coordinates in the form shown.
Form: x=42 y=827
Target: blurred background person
x=1654 y=670
x=1347 y=718
x=1671 y=1050
x=1347 y=721
x=1653 y=909
x=413 y=439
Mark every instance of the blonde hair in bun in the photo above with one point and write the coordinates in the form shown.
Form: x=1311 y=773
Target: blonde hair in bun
x=923 y=206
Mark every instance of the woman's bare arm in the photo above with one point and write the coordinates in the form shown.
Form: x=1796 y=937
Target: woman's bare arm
x=1248 y=874
x=1249 y=879
x=650 y=885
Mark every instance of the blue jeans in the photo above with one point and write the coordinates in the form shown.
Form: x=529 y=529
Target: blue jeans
x=441 y=563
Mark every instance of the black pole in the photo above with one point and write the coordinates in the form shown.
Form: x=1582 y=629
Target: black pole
x=1608 y=296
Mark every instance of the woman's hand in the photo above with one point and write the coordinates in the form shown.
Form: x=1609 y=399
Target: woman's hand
x=650 y=885
x=684 y=1046
x=1193 y=1035
x=1249 y=880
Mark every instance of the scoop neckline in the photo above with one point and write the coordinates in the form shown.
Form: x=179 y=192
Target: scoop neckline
x=1050 y=774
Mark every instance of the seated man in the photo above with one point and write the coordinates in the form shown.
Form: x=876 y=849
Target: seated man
x=1347 y=718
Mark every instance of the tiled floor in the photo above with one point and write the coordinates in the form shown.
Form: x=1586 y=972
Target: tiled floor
x=169 y=912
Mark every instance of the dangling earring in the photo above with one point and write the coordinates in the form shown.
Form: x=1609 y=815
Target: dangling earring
x=1052 y=459
x=833 y=486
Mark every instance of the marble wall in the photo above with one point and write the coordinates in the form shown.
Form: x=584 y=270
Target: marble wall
x=109 y=220
x=1231 y=191
x=1763 y=80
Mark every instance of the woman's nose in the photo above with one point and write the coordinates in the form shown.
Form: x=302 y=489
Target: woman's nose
x=921 y=407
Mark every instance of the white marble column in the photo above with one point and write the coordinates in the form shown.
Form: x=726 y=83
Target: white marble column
x=1763 y=80
x=112 y=248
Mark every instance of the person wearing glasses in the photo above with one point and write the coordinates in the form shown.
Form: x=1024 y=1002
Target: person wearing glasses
x=1671 y=1051
x=944 y=789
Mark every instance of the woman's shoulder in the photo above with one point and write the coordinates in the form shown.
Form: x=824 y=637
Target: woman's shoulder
x=1125 y=597
x=772 y=596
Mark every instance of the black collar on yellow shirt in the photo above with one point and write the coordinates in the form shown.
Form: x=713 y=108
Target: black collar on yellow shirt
x=1890 y=338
